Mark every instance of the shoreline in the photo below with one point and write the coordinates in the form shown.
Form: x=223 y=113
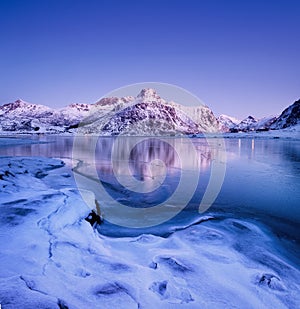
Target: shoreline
x=272 y=134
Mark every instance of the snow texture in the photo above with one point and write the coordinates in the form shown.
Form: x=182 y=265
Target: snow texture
x=52 y=258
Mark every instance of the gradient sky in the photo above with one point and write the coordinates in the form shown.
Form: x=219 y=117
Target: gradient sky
x=238 y=57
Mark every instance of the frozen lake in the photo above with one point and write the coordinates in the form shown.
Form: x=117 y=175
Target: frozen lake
x=261 y=182
x=242 y=252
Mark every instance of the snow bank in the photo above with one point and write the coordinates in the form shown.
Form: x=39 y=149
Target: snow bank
x=52 y=258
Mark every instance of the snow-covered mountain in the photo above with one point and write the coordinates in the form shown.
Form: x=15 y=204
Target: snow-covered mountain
x=289 y=117
x=226 y=123
x=247 y=124
x=265 y=123
x=252 y=124
x=145 y=114
x=149 y=114
x=21 y=117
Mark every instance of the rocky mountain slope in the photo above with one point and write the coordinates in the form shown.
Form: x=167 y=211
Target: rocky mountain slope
x=289 y=117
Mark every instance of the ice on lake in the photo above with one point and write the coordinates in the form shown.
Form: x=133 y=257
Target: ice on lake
x=243 y=252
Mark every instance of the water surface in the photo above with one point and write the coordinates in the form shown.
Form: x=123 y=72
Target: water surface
x=261 y=182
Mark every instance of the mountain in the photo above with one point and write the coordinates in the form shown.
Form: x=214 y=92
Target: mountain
x=264 y=124
x=146 y=114
x=252 y=124
x=288 y=118
x=23 y=117
x=149 y=114
x=226 y=123
x=247 y=124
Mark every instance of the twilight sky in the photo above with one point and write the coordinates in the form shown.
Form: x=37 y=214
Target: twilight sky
x=238 y=57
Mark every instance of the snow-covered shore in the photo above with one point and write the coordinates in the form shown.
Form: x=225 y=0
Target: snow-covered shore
x=292 y=132
x=52 y=258
x=288 y=133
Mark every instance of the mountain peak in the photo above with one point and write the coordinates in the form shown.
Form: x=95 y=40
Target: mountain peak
x=148 y=93
x=20 y=102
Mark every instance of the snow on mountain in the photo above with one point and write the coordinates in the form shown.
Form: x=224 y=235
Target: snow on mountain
x=74 y=113
x=145 y=114
x=264 y=124
x=288 y=118
x=149 y=114
x=23 y=117
x=20 y=107
x=252 y=124
x=227 y=122
x=149 y=95
x=247 y=124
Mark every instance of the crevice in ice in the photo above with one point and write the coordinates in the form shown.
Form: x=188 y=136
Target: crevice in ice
x=44 y=224
x=31 y=285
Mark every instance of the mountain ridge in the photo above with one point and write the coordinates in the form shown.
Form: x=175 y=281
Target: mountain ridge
x=145 y=114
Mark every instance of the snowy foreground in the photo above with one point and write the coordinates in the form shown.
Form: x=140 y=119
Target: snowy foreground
x=52 y=258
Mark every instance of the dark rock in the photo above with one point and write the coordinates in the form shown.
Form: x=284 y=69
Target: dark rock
x=271 y=281
x=93 y=219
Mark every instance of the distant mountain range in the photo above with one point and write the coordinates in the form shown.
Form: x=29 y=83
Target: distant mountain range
x=288 y=118
x=227 y=124
x=146 y=114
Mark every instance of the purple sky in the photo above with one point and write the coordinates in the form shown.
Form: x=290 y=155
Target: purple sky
x=238 y=57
